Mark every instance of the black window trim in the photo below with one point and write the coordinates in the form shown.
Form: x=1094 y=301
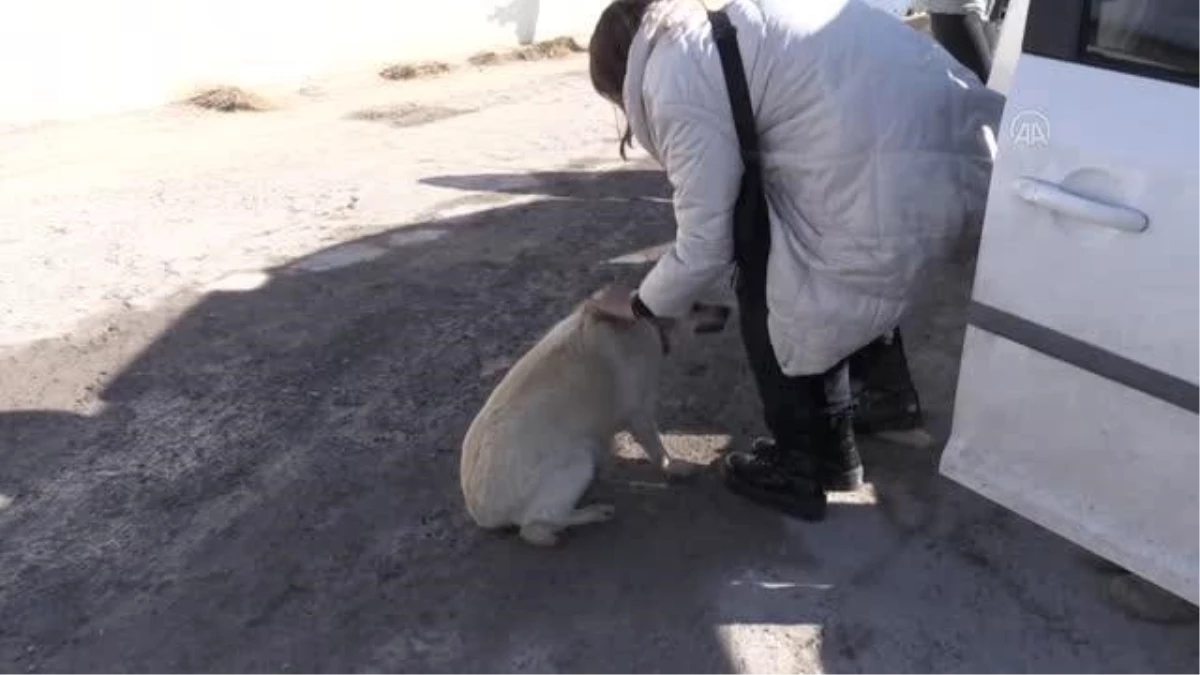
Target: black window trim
x=1054 y=29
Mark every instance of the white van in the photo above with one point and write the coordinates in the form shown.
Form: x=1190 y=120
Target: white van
x=1077 y=398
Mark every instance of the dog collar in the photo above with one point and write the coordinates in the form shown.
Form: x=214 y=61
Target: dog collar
x=663 y=338
x=643 y=313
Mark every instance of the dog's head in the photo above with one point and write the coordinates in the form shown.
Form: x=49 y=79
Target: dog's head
x=701 y=318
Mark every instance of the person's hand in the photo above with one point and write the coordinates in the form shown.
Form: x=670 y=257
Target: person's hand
x=615 y=300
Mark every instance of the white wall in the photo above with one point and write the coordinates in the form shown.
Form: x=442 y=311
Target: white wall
x=63 y=59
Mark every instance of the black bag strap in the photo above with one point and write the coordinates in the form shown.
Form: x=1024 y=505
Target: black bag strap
x=725 y=36
x=751 y=219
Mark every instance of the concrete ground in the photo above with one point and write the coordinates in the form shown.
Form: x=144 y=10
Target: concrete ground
x=240 y=352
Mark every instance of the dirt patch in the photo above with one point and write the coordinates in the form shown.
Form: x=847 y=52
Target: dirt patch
x=556 y=48
x=229 y=99
x=407 y=114
x=539 y=51
x=413 y=71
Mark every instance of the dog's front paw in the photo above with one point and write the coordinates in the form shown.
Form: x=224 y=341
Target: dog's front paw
x=540 y=534
x=677 y=469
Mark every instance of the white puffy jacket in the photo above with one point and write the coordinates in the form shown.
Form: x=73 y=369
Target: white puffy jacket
x=874 y=150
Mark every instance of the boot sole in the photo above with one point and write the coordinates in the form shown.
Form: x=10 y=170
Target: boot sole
x=844 y=481
x=813 y=511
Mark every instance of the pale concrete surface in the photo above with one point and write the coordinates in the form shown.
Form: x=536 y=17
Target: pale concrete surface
x=240 y=354
x=69 y=59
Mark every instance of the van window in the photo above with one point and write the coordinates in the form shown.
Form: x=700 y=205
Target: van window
x=1157 y=38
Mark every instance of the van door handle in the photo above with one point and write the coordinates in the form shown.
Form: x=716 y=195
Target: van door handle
x=1058 y=199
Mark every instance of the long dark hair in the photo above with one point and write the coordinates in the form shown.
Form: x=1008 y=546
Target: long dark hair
x=608 y=53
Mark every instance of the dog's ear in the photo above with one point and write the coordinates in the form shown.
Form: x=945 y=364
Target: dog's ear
x=592 y=309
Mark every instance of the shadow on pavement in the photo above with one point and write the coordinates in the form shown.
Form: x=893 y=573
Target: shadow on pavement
x=639 y=181
x=272 y=486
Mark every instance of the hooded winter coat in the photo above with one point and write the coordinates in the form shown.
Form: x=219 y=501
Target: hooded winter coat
x=876 y=146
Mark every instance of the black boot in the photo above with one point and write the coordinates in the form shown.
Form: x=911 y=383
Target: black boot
x=881 y=410
x=783 y=480
x=838 y=465
x=885 y=397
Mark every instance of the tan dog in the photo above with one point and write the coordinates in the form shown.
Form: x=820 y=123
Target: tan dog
x=532 y=450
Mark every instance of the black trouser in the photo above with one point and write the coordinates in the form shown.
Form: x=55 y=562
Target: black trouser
x=883 y=367
x=950 y=30
x=792 y=405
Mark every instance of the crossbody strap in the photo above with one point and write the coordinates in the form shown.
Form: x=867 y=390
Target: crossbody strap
x=725 y=36
x=751 y=219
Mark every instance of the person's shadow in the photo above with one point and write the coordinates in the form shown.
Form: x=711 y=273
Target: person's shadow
x=270 y=484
